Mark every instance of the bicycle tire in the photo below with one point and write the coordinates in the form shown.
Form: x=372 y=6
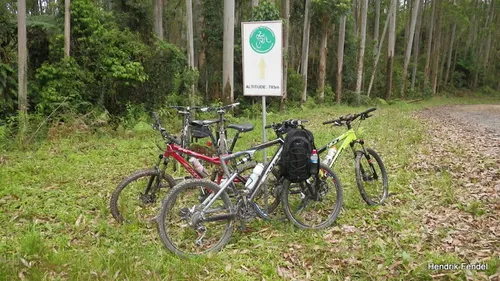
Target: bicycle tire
x=362 y=179
x=169 y=218
x=274 y=192
x=118 y=207
x=292 y=211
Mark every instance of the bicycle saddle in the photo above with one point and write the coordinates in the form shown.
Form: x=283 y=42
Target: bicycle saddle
x=203 y=122
x=247 y=127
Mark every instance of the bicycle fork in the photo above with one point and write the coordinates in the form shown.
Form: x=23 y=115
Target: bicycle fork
x=369 y=160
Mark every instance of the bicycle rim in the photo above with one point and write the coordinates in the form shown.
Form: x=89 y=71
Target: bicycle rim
x=307 y=211
x=179 y=229
x=371 y=178
x=137 y=199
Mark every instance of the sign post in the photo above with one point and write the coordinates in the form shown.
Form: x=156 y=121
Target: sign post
x=262 y=62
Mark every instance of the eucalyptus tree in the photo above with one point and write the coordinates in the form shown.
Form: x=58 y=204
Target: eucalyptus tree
x=390 y=50
x=228 y=53
x=325 y=12
x=305 y=48
x=22 y=51
x=409 y=45
x=361 y=54
x=67 y=27
x=285 y=14
x=340 y=57
x=158 y=18
x=429 y=44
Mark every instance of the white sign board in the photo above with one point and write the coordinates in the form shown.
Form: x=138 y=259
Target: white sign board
x=262 y=58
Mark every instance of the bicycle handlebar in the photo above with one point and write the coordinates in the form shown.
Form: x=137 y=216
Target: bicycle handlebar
x=224 y=107
x=350 y=117
x=280 y=128
x=157 y=126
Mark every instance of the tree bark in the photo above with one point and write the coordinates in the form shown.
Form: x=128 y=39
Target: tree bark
x=158 y=18
x=22 y=51
x=322 y=60
x=67 y=27
x=228 y=53
x=379 y=49
x=490 y=31
x=436 y=52
x=429 y=45
x=286 y=41
x=340 y=58
x=305 y=49
x=450 y=51
x=416 y=45
x=361 y=56
x=190 y=44
x=390 y=51
x=377 y=20
x=409 y=46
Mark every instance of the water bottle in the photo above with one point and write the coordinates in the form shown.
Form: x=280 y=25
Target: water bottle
x=314 y=162
x=198 y=167
x=254 y=176
x=331 y=153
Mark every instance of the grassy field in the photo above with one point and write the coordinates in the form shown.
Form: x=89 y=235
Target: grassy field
x=56 y=225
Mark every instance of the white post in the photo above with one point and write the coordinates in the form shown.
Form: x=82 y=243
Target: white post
x=264 y=114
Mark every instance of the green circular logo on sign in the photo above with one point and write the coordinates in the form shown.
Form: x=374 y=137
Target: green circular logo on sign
x=262 y=39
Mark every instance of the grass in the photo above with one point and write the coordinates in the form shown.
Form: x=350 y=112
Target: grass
x=56 y=224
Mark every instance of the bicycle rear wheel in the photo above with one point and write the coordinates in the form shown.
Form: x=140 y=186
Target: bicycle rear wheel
x=136 y=199
x=187 y=230
x=315 y=204
x=371 y=177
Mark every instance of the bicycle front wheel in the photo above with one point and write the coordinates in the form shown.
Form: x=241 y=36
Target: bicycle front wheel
x=371 y=177
x=136 y=199
x=315 y=203
x=185 y=228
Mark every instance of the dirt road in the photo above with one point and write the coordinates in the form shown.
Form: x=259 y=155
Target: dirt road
x=463 y=216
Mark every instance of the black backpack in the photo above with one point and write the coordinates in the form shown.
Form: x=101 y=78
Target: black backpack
x=295 y=164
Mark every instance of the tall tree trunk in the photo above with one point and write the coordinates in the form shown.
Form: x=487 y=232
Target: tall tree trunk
x=390 y=51
x=361 y=56
x=450 y=51
x=22 y=52
x=429 y=45
x=411 y=34
x=377 y=21
x=416 y=45
x=379 y=49
x=436 y=51
x=190 y=44
x=228 y=53
x=340 y=57
x=158 y=18
x=305 y=49
x=286 y=40
x=67 y=27
x=355 y=21
x=322 y=59
x=490 y=31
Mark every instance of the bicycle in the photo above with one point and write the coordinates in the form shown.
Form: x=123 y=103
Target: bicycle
x=371 y=179
x=147 y=185
x=203 y=222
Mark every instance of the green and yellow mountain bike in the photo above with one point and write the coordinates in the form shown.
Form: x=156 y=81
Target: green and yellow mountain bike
x=371 y=176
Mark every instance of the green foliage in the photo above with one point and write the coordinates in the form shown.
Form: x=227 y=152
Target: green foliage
x=137 y=16
x=294 y=86
x=211 y=72
x=165 y=67
x=266 y=11
x=63 y=85
x=8 y=90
